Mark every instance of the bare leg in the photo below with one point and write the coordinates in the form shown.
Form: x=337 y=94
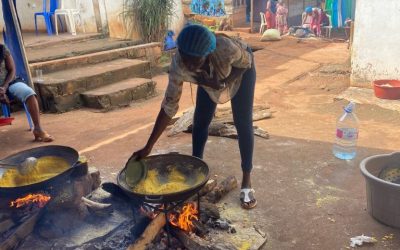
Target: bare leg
x=38 y=132
x=33 y=107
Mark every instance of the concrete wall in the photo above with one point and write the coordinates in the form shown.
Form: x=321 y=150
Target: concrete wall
x=376 y=50
x=27 y=8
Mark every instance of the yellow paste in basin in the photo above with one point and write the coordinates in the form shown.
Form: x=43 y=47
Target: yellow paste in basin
x=46 y=168
x=175 y=182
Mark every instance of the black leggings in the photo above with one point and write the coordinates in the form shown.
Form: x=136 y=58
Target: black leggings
x=242 y=109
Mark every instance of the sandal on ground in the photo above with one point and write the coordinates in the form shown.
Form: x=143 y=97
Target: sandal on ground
x=42 y=136
x=247 y=199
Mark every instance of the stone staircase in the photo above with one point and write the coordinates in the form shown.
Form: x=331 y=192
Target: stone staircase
x=101 y=80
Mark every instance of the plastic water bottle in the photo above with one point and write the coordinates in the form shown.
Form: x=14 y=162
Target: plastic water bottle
x=346 y=134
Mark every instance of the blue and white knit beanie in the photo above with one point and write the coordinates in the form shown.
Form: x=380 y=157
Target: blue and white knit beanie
x=196 y=40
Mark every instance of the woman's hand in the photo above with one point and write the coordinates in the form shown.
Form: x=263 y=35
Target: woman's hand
x=142 y=153
x=3 y=90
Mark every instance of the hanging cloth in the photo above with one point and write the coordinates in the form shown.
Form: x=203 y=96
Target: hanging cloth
x=335 y=13
x=328 y=7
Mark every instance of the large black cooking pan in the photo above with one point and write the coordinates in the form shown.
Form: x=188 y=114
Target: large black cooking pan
x=67 y=153
x=191 y=167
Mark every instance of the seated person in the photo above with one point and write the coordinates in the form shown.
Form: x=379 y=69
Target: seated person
x=312 y=20
x=325 y=19
x=307 y=18
x=15 y=87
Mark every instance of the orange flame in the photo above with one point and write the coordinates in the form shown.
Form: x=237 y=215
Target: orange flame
x=40 y=199
x=185 y=218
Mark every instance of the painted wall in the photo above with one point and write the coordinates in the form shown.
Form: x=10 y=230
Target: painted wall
x=115 y=21
x=27 y=8
x=110 y=12
x=116 y=24
x=376 y=50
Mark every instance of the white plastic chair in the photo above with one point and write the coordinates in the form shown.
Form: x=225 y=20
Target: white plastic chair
x=328 y=28
x=263 y=23
x=69 y=14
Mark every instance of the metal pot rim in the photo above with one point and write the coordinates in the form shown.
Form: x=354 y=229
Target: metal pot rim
x=183 y=192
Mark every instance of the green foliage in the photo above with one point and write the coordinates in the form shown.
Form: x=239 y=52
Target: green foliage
x=149 y=17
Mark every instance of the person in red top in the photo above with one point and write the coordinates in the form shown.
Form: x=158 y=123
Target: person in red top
x=270 y=14
x=316 y=21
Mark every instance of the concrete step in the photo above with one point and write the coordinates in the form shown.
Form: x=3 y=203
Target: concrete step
x=31 y=40
x=119 y=94
x=149 y=51
x=75 y=48
x=61 y=90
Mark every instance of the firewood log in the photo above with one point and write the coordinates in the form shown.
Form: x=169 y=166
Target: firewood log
x=150 y=233
x=21 y=232
x=5 y=225
x=200 y=229
x=222 y=189
x=210 y=185
x=191 y=241
x=222 y=123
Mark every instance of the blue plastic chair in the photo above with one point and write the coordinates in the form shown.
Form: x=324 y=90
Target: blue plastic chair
x=47 y=16
x=53 y=7
x=7 y=113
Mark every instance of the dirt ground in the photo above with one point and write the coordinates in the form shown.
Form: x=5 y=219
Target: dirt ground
x=307 y=198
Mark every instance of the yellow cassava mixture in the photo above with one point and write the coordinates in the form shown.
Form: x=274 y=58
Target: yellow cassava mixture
x=175 y=182
x=46 y=168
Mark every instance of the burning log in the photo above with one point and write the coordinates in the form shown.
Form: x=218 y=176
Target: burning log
x=191 y=241
x=222 y=189
x=21 y=232
x=200 y=229
x=6 y=225
x=40 y=199
x=150 y=233
x=208 y=211
x=97 y=208
x=24 y=213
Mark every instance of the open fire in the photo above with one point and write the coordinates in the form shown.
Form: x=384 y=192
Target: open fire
x=184 y=219
x=175 y=225
x=39 y=199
